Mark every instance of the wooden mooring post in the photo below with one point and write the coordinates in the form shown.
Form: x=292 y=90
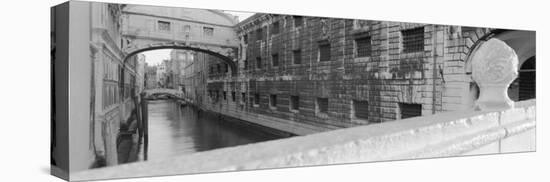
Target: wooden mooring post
x=144 y=130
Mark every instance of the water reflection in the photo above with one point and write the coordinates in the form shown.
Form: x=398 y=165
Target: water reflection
x=176 y=130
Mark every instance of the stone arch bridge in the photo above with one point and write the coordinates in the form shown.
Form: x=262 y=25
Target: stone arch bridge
x=162 y=93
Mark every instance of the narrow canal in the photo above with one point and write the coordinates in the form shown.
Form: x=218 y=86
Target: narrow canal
x=176 y=130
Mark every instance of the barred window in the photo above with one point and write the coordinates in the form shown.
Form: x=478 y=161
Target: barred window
x=233 y=98
x=224 y=95
x=363 y=47
x=245 y=38
x=259 y=62
x=410 y=110
x=257 y=99
x=297 y=56
x=413 y=40
x=298 y=21
x=164 y=26
x=294 y=102
x=275 y=59
x=273 y=100
x=324 y=52
x=208 y=31
x=361 y=109
x=275 y=28
x=322 y=105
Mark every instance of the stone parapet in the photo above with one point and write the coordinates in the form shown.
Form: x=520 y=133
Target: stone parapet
x=441 y=135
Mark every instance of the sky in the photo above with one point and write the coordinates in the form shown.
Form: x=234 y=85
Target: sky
x=156 y=56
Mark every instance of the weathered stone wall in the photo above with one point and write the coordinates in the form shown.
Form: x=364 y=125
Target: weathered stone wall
x=435 y=76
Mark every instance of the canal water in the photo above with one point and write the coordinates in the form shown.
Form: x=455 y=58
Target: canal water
x=176 y=130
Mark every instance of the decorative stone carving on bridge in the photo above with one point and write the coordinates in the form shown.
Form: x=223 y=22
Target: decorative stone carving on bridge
x=494 y=67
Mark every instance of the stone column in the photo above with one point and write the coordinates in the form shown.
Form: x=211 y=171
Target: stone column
x=494 y=67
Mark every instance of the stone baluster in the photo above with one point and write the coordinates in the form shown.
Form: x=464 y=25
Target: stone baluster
x=494 y=67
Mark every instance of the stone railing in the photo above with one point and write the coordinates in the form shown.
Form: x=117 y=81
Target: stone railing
x=442 y=135
x=495 y=125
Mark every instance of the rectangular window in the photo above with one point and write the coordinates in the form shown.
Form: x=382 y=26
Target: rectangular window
x=224 y=95
x=233 y=98
x=256 y=99
x=324 y=52
x=363 y=47
x=273 y=100
x=245 y=38
x=298 y=21
x=218 y=69
x=208 y=31
x=294 y=102
x=259 y=34
x=322 y=105
x=243 y=97
x=410 y=110
x=245 y=64
x=297 y=56
x=259 y=62
x=361 y=109
x=275 y=28
x=275 y=59
x=164 y=26
x=413 y=40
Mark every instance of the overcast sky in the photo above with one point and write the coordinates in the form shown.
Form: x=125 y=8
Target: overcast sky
x=156 y=56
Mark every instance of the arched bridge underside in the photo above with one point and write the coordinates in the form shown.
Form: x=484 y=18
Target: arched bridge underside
x=224 y=53
x=160 y=94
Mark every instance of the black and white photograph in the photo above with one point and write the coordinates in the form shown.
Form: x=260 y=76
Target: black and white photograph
x=148 y=90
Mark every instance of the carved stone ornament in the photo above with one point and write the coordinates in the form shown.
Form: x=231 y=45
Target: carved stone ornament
x=494 y=67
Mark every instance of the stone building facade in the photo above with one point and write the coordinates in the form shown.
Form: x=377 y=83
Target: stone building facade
x=309 y=74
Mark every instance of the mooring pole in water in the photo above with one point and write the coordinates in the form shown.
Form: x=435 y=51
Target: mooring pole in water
x=145 y=125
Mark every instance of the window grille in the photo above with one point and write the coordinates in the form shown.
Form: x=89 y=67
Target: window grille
x=410 y=110
x=361 y=109
x=413 y=40
x=363 y=47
